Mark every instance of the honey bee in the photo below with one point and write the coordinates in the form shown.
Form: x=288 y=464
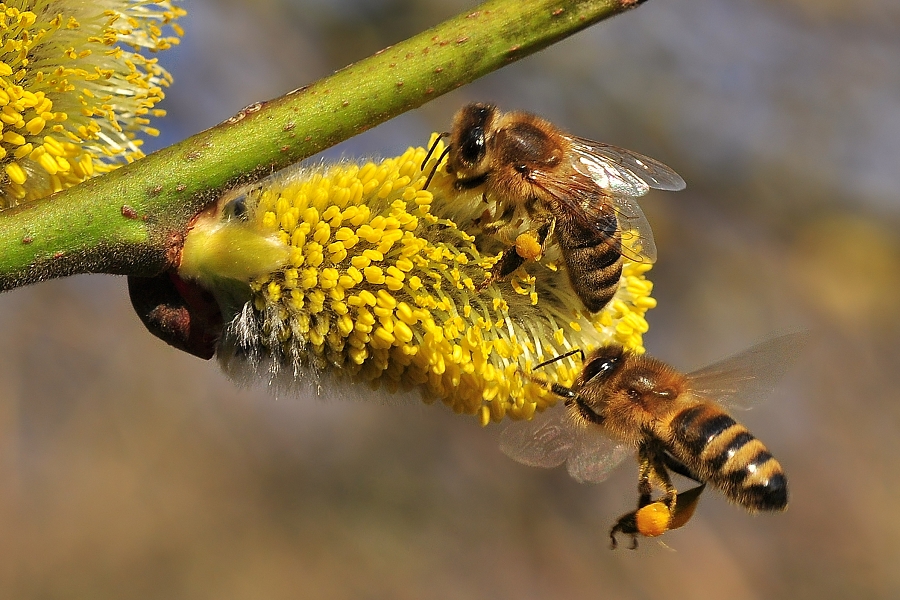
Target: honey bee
x=579 y=191
x=622 y=402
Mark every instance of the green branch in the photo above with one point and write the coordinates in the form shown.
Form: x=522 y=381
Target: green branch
x=132 y=220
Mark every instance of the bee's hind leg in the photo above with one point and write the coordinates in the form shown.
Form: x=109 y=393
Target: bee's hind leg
x=626 y=524
x=652 y=518
x=514 y=256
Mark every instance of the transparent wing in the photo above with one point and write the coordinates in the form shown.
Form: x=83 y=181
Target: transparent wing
x=637 y=237
x=581 y=197
x=622 y=171
x=744 y=379
x=554 y=437
x=595 y=455
x=546 y=441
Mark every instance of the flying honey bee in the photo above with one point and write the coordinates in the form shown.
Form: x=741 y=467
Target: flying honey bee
x=622 y=402
x=579 y=191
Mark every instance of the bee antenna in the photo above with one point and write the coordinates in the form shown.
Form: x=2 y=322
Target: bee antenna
x=433 y=148
x=436 y=165
x=560 y=357
x=555 y=388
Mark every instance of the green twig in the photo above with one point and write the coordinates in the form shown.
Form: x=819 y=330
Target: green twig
x=132 y=221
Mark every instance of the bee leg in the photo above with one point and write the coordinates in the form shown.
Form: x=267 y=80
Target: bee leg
x=518 y=254
x=652 y=456
x=545 y=232
x=627 y=524
x=508 y=263
x=687 y=500
x=672 y=510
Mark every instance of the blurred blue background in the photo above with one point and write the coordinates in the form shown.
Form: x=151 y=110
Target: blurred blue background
x=130 y=470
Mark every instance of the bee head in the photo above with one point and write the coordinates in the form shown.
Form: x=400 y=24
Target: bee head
x=600 y=366
x=468 y=139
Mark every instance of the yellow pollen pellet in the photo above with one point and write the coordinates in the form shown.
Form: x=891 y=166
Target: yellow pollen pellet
x=653 y=520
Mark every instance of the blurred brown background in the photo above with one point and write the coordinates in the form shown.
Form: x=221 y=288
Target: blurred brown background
x=129 y=470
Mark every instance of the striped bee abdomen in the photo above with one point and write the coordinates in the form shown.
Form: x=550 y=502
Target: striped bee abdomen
x=725 y=454
x=593 y=257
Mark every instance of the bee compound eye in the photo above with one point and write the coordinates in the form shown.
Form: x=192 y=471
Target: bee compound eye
x=599 y=368
x=471 y=150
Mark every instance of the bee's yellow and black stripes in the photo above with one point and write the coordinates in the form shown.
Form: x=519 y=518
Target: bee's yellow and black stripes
x=721 y=451
x=593 y=256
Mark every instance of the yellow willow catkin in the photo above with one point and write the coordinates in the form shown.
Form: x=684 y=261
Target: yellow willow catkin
x=78 y=89
x=370 y=282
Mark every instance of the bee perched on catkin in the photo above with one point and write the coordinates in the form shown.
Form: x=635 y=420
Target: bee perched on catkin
x=356 y=273
x=540 y=183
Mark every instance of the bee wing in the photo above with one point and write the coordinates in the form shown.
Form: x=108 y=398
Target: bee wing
x=744 y=379
x=620 y=171
x=546 y=440
x=595 y=455
x=582 y=198
x=637 y=237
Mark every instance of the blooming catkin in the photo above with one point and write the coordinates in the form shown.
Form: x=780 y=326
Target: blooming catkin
x=76 y=90
x=356 y=273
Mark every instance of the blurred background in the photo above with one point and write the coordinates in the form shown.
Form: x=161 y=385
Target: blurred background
x=130 y=470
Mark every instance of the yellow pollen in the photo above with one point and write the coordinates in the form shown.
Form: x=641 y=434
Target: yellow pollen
x=384 y=286
x=82 y=78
